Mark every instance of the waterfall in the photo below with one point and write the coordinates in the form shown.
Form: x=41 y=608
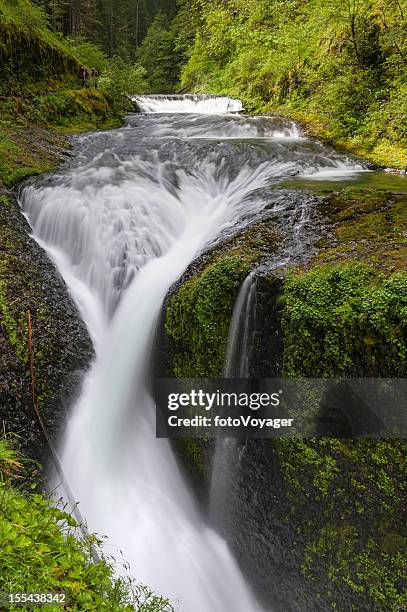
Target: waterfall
x=202 y=104
x=122 y=221
x=225 y=468
x=237 y=363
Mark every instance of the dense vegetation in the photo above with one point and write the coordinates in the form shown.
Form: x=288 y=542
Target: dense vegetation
x=41 y=551
x=338 y=319
x=40 y=88
x=338 y=66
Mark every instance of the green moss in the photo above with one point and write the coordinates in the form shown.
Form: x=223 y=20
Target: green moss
x=71 y=107
x=367 y=225
x=376 y=574
x=345 y=320
x=15 y=328
x=346 y=495
x=198 y=318
x=193 y=455
x=12 y=320
x=30 y=55
x=31 y=142
x=346 y=499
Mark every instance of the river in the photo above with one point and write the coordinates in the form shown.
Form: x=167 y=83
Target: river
x=122 y=221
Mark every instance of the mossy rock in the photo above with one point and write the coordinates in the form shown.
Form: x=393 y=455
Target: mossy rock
x=26 y=57
x=32 y=129
x=345 y=320
x=346 y=499
x=61 y=347
x=199 y=309
x=365 y=225
x=198 y=318
x=343 y=313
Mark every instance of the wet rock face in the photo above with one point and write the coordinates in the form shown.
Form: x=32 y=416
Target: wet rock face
x=258 y=526
x=61 y=347
x=266 y=358
x=315 y=524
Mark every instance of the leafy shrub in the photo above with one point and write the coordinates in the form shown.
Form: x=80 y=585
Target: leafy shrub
x=121 y=77
x=41 y=551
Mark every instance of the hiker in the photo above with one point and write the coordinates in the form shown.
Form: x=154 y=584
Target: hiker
x=84 y=76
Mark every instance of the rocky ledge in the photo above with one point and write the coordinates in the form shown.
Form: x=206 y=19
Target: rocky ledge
x=61 y=347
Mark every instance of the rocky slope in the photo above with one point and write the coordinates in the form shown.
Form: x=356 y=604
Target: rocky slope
x=61 y=347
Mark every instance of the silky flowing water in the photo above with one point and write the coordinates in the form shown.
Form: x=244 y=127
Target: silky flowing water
x=122 y=221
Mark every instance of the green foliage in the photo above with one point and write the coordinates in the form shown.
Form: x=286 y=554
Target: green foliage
x=10 y=462
x=120 y=78
x=29 y=52
x=26 y=15
x=88 y=54
x=338 y=319
x=342 y=63
x=72 y=107
x=198 y=318
x=43 y=550
x=158 y=57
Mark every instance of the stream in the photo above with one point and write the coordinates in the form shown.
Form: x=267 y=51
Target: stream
x=122 y=221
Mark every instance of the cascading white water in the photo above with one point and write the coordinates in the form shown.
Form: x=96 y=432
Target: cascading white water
x=207 y=105
x=122 y=223
x=238 y=345
x=225 y=127
x=128 y=483
x=237 y=363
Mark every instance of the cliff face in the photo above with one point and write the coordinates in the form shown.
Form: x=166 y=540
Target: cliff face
x=40 y=98
x=62 y=348
x=315 y=523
